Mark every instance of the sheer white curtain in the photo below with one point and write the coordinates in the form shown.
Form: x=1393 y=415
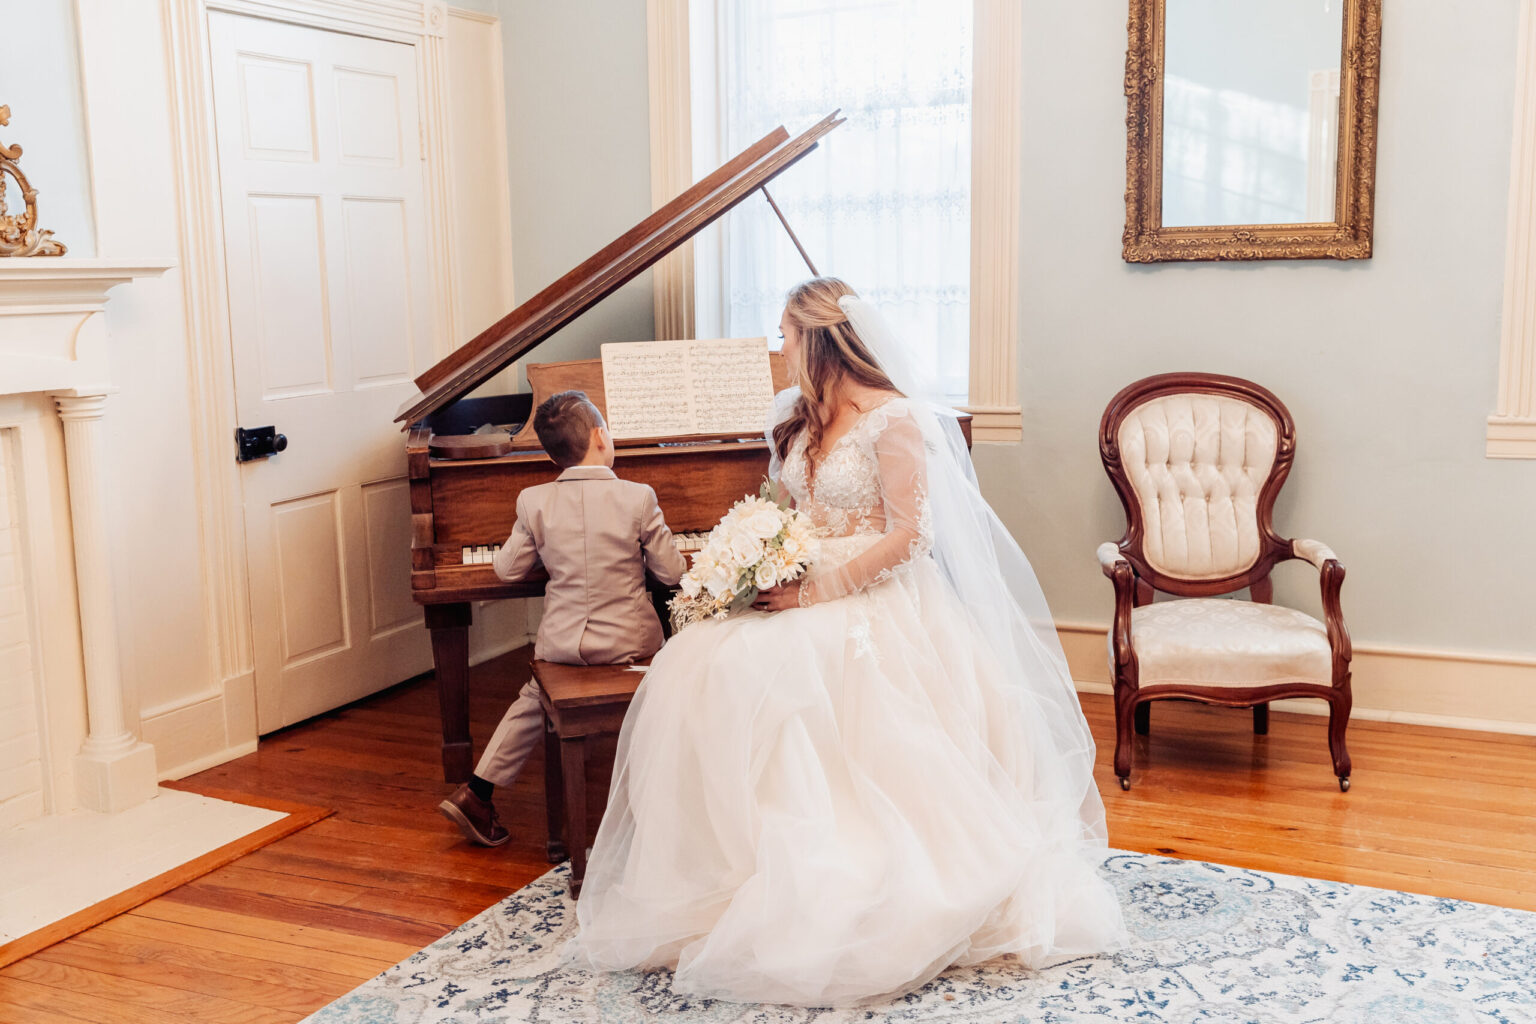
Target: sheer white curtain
x=884 y=203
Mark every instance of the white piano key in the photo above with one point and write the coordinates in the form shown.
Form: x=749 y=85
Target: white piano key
x=465 y=556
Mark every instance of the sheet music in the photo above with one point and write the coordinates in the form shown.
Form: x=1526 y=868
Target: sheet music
x=667 y=388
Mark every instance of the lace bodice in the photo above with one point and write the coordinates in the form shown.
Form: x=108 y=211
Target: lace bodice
x=844 y=499
x=871 y=482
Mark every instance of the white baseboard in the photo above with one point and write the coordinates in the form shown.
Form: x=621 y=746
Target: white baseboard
x=204 y=730
x=1390 y=684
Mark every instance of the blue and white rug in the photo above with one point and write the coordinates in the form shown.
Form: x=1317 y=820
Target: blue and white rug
x=1212 y=944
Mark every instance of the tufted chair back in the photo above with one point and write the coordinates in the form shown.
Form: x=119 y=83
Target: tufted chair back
x=1197 y=460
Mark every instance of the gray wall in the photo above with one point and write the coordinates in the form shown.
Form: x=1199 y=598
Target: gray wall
x=40 y=81
x=1388 y=365
x=578 y=141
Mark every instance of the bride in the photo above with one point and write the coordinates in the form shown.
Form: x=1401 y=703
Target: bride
x=881 y=772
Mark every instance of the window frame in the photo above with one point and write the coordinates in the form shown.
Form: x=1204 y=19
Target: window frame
x=996 y=184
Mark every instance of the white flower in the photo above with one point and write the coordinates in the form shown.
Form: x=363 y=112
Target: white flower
x=718 y=581
x=766 y=575
x=745 y=549
x=764 y=524
x=691 y=585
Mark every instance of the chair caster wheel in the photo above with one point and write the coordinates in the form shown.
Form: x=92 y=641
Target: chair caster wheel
x=1344 y=784
x=1125 y=782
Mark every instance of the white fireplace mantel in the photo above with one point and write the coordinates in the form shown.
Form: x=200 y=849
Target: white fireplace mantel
x=52 y=331
x=53 y=339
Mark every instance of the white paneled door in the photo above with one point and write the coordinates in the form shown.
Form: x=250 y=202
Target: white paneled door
x=320 y=165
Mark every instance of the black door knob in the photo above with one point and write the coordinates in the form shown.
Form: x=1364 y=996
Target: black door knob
x=258 y=443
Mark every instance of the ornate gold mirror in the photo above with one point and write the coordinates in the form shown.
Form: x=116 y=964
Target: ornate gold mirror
x=1251 y=129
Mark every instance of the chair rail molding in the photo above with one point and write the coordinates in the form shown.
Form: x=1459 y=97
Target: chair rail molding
x=996 y=156
x=668 y=64
x=1512 y=427
x=211 y=386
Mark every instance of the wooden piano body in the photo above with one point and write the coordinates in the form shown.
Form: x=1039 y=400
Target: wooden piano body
x=469 y=503
x=460 y=504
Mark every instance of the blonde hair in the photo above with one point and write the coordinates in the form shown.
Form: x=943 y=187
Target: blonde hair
x=831 y=357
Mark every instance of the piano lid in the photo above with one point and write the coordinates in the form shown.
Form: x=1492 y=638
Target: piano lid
x=600 y=275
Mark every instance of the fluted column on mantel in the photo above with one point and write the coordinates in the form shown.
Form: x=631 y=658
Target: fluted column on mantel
x=1512 y=427
x=114 y=769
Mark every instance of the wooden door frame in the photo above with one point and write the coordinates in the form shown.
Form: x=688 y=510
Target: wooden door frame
x=421 y=24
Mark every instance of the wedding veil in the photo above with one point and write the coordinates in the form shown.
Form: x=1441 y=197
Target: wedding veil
x=994 y=580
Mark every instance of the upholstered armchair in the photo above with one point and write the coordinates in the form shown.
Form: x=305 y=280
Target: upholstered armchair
x=1198 y=460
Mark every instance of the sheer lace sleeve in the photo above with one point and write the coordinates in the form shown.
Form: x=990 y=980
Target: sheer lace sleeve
x=903 y=470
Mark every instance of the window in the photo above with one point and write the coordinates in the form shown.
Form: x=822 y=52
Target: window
x=885 y=202
x=915 y=201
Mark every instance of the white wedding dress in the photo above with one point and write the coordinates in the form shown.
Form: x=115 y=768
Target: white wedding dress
x=833 y=803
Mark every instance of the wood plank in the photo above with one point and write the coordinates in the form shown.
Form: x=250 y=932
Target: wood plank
x=299 y=816
x=143 y=994
x=1444 y=812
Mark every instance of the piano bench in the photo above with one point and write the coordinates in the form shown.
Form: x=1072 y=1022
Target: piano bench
x=580 y=702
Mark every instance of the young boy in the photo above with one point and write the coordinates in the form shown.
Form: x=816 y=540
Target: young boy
x=596 y=536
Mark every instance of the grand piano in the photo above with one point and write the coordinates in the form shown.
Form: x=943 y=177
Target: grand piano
x=465 y=478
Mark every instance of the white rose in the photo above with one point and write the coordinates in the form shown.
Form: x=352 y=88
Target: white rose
x=691 y=585
x=766 y=576
x=745 y=548
x=718 y=581
x=764 y=524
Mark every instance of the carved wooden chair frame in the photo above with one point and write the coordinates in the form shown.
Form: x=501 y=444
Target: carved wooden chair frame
x=1135 y=580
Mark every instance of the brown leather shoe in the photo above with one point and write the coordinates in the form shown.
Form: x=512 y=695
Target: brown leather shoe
x=476 y=818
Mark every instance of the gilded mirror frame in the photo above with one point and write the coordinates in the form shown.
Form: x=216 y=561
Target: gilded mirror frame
x=1347 y=237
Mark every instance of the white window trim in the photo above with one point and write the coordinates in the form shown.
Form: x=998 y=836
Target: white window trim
x=1512 y=427
x=996 y=148
x=666 y=30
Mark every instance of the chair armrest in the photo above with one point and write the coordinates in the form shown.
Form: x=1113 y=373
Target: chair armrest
x=1122 y=574
x=1109 y=556
x=1331 y=577
x=1314 y=551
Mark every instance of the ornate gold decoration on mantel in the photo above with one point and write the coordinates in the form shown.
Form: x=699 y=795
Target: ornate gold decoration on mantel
x=19 y=235
x=1346 y=237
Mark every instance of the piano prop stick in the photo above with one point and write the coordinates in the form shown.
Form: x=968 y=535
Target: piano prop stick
x=469 y=458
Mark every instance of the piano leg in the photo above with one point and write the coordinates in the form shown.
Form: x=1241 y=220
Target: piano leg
x=449 y=625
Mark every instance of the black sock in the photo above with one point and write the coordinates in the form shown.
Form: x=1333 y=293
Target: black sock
x=481 y=788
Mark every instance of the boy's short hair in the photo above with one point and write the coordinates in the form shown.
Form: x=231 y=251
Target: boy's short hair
x=564 y=423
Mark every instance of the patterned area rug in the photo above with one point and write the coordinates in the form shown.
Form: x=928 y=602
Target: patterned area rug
x=1213 y=944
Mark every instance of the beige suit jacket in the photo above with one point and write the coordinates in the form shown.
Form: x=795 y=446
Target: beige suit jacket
x=596 y=536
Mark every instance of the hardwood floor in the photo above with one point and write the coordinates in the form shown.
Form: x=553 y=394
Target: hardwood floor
x=292 y=926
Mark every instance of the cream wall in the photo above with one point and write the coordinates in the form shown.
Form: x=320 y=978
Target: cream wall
x=176 y=688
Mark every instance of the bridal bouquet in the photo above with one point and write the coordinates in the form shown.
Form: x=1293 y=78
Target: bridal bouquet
x=760 y=543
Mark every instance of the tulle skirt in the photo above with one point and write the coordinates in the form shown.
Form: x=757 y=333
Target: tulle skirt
x=828 y=805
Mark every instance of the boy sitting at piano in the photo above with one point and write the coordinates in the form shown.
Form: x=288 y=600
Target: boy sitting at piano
x=596 y=536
